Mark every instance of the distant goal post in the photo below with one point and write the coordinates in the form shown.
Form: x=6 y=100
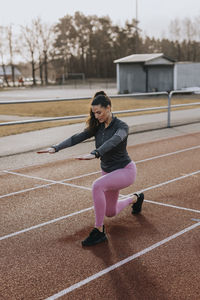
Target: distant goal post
x=75 y=76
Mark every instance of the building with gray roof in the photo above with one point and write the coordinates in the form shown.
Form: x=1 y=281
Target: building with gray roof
x=142 y=73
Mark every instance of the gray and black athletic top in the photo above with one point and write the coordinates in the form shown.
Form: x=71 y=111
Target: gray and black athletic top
x=110 y=144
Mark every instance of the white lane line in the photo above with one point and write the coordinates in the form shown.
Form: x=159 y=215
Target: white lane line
x=44 y=224
x=121 y=263
x=88 y=188
x=163 y=183
x=173 y=206
x=26 y=190
x=93 y=173
x=45 y=185
x=89 y=208
x=81 y=176
x=170 y=181
x=196 y=220
x=154 y=157
x=49 y=180
x=168 y=154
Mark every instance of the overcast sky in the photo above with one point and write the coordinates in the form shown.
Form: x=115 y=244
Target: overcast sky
x=154 y=15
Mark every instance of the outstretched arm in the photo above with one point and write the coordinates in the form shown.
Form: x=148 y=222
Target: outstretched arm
x=73 y=140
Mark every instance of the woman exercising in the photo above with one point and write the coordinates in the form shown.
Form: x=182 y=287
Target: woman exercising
x=118 y=170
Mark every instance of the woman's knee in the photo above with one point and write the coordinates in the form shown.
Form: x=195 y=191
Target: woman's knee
x=97 y=184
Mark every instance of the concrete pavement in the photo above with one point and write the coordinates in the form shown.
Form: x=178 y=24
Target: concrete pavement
x=60 y=91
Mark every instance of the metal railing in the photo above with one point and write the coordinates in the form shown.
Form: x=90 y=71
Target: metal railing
x=47 y=119
x=177 y=105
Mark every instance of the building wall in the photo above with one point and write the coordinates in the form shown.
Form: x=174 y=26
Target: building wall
x=160 y=78
x=187 y=75
x=132 y=78
x=135 y=78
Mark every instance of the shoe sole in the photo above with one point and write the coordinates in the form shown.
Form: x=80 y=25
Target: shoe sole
x=96 y=242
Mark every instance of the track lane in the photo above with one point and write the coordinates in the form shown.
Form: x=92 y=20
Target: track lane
x=38 y=206
x=87 y=174
x=96 y=173
x=35 y=263
x=33 y=208
x=11 y=184
x=166 y=145
x=184 y=193
x=169 y=272
x=49 y=259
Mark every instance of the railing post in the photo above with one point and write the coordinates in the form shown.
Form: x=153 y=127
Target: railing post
x=169 y=110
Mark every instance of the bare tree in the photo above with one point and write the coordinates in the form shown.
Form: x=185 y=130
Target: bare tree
x=45 y=38
x=175 y=30
x=65 y=46
x=11 y=51
x=197 y=28
x=2 y=51
x=176 y=35
x=30 y=47
x=189 y=31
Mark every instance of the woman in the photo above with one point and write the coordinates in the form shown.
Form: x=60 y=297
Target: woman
x=117 y=168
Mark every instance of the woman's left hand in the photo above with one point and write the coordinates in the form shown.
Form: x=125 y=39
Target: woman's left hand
x=86 y=157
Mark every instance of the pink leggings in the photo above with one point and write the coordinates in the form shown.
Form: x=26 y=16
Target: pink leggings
x=105 y=192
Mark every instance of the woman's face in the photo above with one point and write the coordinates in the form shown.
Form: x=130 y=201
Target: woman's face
x=101 y=113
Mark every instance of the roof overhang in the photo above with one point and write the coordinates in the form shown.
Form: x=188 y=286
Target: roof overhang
x=146 y=59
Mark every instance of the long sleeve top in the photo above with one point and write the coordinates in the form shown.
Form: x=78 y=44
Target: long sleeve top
x=110 y=142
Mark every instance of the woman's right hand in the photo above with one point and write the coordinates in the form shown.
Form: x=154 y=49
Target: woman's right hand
x=50 y=150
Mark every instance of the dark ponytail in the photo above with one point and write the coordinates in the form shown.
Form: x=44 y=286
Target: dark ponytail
x=100 y=98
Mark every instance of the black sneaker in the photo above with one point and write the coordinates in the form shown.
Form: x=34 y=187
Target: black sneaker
x=95 y=237
x=137 y=206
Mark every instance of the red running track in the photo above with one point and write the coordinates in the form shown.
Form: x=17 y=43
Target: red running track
x=46 y=210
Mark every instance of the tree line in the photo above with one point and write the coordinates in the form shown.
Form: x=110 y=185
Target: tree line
x=88 y=45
